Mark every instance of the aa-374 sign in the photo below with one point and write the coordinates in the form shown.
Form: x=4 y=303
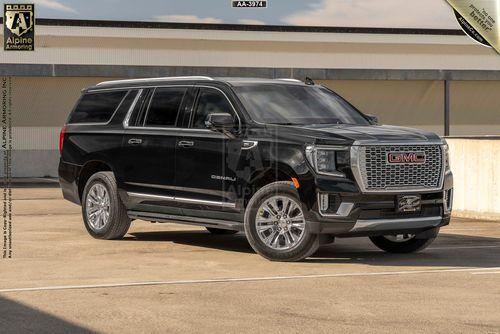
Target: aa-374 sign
x=19 y=27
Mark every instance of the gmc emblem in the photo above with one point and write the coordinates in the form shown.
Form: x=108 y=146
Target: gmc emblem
x=406 y=158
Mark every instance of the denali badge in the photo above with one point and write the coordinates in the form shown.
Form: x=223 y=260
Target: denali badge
x=406 y=157
x=223 y=178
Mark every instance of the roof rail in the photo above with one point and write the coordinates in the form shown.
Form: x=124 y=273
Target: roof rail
x=125 y=81
x=289 y=79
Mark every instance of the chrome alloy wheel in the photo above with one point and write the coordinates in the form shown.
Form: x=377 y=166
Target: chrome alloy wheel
x=399 y=237
x=280 y=222
x=97 y=207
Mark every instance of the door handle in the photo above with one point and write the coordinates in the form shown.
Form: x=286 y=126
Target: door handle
x=185 y=143
x=135 y=141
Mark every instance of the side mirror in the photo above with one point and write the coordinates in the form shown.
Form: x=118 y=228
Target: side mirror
x=372 y=119
x=219 y=121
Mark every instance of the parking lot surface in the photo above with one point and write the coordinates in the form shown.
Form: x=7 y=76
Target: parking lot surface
x=167 y=278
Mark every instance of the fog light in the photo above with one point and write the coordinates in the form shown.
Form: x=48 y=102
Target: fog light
x=323 y=202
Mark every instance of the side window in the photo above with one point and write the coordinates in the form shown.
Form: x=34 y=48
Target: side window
x=96 y=107
x=126 y=104
x=138 y=107
x=210 y=101
x=164 y=106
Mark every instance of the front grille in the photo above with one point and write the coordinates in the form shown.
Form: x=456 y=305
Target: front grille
x=376 y=174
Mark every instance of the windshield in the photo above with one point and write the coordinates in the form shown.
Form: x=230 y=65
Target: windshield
x=294 y=104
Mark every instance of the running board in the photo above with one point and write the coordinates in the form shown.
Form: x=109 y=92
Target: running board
x=207 y=222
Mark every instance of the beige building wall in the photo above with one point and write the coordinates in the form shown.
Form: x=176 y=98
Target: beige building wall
x=474 y=108
x=46 y=101
x=415 y=103
x=40 y=106
x=185 y=47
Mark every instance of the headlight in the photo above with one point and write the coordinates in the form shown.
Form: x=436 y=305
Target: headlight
x=446 y=158
x=323 y=159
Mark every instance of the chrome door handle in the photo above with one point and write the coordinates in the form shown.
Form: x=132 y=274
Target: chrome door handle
x=135 y=141
x=185 y=143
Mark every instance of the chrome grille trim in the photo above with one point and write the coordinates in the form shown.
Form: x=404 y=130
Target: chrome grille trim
x=375 y=175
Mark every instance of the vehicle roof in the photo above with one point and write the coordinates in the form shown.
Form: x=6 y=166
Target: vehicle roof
x=234 y=81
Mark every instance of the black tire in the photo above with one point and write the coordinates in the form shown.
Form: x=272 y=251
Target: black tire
x=307 y=245
x=118 y=222
x=410 y=246
x=220 y=231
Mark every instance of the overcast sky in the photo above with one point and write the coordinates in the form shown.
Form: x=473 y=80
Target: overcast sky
x=355 y=13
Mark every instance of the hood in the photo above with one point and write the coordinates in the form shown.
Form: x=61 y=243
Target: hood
x=349 y=133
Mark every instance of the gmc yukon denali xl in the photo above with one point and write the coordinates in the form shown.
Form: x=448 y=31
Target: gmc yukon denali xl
x=292 y=165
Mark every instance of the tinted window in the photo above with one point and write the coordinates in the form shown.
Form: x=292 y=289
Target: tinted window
x=96 y=107
x=126 y=104
x=164 y=106
x=296 y=104
x=210 y=101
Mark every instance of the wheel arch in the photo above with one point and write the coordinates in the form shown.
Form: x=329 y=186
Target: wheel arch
x=277 y=172
x=89 y=169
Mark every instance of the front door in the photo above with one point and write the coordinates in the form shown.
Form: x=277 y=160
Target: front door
x=206 y=160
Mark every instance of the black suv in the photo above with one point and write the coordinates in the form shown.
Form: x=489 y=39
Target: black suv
x=291 y=164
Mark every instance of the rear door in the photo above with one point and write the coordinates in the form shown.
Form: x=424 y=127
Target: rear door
x=149 y=149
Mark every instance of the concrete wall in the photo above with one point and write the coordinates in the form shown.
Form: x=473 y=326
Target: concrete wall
x=476 y=174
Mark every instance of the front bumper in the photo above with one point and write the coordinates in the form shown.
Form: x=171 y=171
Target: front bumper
x=358 y=214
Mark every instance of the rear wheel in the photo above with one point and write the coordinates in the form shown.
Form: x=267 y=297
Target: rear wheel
x=275 y=225
x=401 y=243
x=219 y=231
x=104 y=215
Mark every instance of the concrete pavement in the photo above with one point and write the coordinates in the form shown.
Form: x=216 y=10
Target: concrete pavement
x=166 y=278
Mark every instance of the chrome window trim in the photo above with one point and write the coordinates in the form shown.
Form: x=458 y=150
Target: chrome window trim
x=129 y=112
x=182 y=199
x=354 y=154
x=112 y=115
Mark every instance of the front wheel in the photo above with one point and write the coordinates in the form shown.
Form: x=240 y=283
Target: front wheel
x=401 y=243
x=275 y=225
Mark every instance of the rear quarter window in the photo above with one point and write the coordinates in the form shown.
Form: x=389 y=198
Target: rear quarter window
x=96 y=107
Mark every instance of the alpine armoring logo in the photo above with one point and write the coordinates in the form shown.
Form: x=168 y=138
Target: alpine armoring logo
x=406 y=158
x=19 y=27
